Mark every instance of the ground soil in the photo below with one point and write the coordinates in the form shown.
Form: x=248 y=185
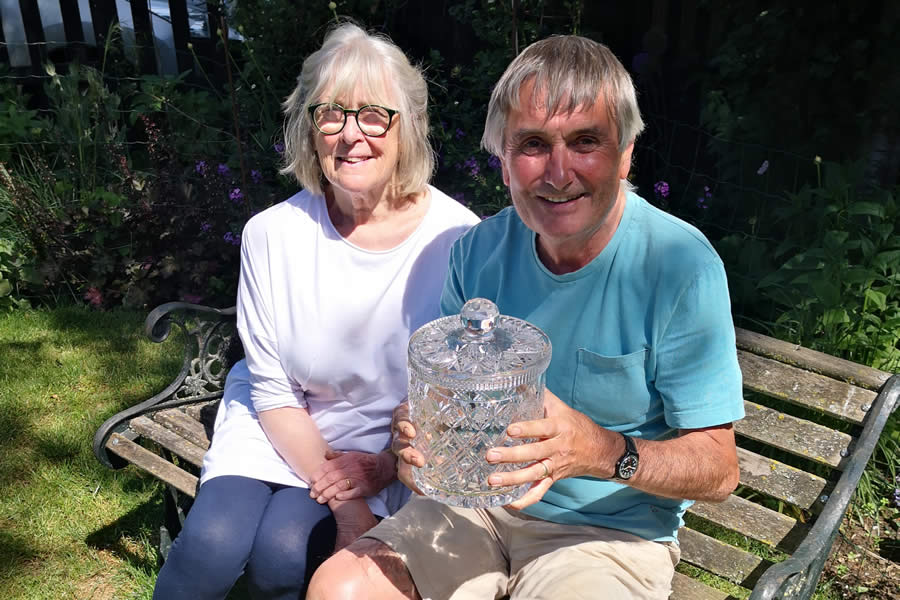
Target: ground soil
x=865 y=560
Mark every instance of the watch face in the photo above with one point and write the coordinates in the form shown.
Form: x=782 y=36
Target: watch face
x=627 y=466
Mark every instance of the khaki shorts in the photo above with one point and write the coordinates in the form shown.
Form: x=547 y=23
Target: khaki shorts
x=479 y=554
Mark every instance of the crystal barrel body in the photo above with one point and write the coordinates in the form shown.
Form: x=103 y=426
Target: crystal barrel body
x=455 y=428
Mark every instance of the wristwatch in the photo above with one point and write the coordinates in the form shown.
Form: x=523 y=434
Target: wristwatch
x=627 y=466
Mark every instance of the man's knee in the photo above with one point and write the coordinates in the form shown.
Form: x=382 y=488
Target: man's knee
x=365 y=569
x=341 y=577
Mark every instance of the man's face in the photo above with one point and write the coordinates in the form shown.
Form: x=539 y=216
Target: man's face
x=563 y=174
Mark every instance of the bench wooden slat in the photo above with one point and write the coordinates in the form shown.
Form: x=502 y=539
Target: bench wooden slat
x=169 y=440
x=796 y=436
x=719 y=558
x=779 y=480
x=685 y=588
x=152 y=463
x=754 y=521
x=811 y=360
x=195 y=411
x=183 y=425
x=804 y=388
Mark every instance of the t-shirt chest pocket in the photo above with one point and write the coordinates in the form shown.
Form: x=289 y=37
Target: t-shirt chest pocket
x=612 y=390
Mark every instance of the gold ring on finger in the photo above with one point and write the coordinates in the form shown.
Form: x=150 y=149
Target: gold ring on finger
x=349 y=484
x=546 y=468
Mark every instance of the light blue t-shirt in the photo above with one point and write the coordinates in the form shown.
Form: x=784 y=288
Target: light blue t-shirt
x=643 y=343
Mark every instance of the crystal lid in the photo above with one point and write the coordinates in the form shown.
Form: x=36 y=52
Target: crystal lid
x=479 y=349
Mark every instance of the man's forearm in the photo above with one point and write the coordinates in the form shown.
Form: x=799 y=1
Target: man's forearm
x=699 y=464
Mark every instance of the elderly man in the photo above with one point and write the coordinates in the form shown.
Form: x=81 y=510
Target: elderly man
x=644 y=383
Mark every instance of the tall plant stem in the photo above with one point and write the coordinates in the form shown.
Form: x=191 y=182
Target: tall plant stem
x=223 y=29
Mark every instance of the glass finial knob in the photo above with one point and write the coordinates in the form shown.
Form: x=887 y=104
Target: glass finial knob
x=479 y=315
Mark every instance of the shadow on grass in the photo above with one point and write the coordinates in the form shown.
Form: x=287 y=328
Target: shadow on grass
x=14 y=425
x=142 y=521
x=147 y=517
x=16 y=554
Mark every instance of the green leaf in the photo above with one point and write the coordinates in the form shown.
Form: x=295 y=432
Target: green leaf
x=866 y=208
x=877 y=298
x=773 y=279
x=888 y=260
x=835 y=316
x=857 y=275
x=867 y=247
x=827 y=291
x=5 y=287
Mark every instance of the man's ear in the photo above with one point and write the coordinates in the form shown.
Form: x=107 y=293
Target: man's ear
x=504 y=171
x=625 y=161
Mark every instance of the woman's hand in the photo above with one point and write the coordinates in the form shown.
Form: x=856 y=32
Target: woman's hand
x=350 y=475
x=403 y=433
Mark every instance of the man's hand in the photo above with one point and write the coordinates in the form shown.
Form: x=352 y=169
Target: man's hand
x=569 y=444
x=349 y=475
x=403 y=432
x=352 y=518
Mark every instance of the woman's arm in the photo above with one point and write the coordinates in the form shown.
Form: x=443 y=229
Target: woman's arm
x=296 y=437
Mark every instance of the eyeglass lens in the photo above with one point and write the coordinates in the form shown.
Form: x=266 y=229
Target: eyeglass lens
x=372 y=120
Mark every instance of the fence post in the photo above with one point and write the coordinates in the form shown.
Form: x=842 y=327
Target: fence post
x=103 y=15
x=71 y=17
x=143 y=36
x=181 y=34
x=4 y=53
x=34 y=34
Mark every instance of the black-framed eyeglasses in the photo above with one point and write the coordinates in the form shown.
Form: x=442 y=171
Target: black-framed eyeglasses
x=373 y=120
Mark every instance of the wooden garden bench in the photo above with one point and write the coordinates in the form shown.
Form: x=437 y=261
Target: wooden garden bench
x=812 y=423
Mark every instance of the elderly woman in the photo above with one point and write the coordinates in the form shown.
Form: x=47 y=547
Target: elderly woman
x=333 y=282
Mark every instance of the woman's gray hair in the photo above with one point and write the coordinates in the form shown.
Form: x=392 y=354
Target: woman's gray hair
x=568 y=72
x=349 y=60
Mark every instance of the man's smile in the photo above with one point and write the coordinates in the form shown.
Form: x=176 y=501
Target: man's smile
x=561 y=199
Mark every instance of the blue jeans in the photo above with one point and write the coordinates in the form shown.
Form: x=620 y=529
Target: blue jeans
x=276 y=533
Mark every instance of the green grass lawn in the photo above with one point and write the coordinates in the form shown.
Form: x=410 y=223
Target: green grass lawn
x=69 y=527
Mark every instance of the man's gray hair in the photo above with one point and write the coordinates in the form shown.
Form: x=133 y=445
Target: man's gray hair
x=568 y=72
x=352 y=60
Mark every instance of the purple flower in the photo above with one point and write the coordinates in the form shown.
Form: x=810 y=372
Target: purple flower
x=233 y=239
x=94 y=297
x=460 y=197
x=205 y=226
x=471 y=165
x=661 y=188
x=494 y=162
x=223 y=169
x=702 y=200
x=763 y=168
x=255 y=175
x=460 y=134
x=279 y=148
x=200 y=167
x=236 y=195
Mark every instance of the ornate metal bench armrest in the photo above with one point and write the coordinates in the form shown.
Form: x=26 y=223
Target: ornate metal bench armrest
x=211 y=346
x=797 y=576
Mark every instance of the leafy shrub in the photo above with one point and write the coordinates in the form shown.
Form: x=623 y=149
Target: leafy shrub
x=120 y=212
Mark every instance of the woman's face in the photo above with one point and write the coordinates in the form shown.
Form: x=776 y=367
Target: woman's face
x=354 y=162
